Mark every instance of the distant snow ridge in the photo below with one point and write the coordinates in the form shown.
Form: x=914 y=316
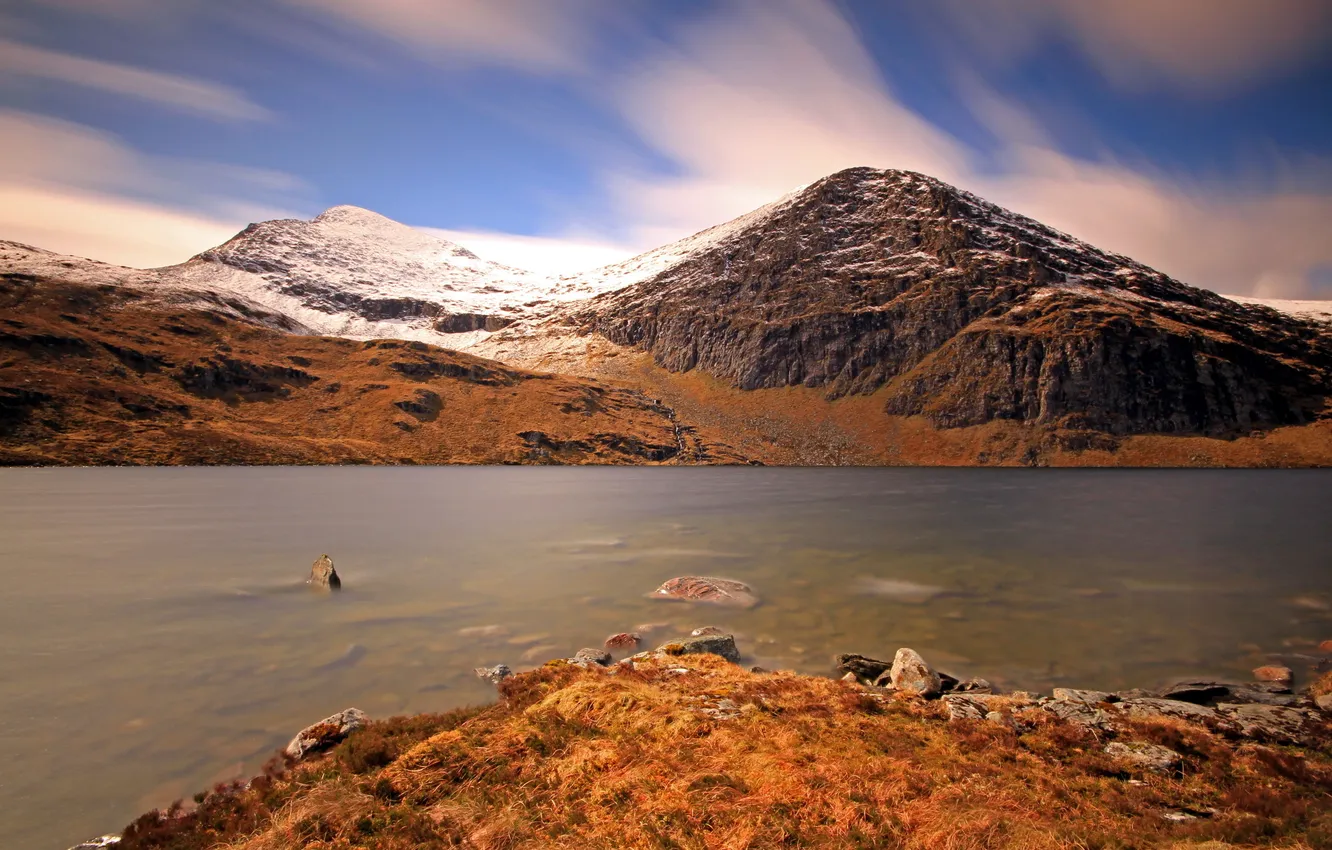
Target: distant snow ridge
x=354 y=273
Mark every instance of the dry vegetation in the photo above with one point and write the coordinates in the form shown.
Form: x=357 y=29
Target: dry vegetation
x=591 y=759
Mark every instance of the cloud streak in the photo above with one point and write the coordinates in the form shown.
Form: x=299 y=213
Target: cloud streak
x=71 y=189
x=182 y=93
x=1198 y=46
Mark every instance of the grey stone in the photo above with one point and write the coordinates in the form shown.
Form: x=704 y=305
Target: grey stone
x=1153 y=707
x=1078 y=713
x=322 y=574
x=590 y=655
x=702 y=631
x=962 y=708
x=326 y=733
x=495 y=674
x=96 y=843
x=1273 y=723
x=912 y=674
x=723 y=645
x=1147 y=756
x=1324 y=702
x=1077 y=695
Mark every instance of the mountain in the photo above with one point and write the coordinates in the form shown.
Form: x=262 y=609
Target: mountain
x=872 y=317
x=954 y=309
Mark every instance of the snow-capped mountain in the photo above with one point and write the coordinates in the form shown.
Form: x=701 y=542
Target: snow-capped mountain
x=960 y=310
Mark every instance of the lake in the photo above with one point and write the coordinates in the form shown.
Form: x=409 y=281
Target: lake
x=158 y=636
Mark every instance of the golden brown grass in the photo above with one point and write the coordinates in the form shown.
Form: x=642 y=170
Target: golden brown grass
x=574 y=758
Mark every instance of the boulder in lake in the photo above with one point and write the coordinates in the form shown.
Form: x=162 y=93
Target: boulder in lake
x=723 y=645
x=495 y=674
x=911 y=673
x=326 y=733
x=1279 y=675
x=706 y=630
x=1142 y=755
x=719 y=591
x=624 y=640
x=322 y=574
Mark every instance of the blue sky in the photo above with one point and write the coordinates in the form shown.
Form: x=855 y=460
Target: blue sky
x=1194 y=135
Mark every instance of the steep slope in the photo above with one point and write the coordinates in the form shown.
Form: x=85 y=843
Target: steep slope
x=103 y=374
x=956 y=310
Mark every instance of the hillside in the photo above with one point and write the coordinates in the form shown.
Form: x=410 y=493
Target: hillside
x=106 y=375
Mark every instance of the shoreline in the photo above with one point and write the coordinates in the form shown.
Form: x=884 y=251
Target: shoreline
x=1141 y=739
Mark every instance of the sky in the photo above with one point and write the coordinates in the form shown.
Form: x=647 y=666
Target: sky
x=558 y=135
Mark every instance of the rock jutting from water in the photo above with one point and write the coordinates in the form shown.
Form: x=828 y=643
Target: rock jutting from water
x=322 y=574
x=624 y=640
x=495 y=674
x=719 y=591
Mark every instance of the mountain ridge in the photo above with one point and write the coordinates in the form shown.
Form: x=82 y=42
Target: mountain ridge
x=942 y=311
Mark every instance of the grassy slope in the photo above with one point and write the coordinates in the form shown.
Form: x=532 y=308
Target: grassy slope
x=588 y=759
x=92 y=376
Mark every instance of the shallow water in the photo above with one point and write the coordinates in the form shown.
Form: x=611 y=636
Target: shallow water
x=158 y=638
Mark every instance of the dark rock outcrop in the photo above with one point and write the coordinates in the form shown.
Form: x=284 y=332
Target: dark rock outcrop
x=723 y=645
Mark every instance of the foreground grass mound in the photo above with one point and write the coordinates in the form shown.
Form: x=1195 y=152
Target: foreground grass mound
x=694 y=752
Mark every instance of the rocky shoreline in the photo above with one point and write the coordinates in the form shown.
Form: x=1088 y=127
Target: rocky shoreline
x=1266 y=712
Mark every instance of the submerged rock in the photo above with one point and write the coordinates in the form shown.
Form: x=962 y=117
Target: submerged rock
x=912 y=674
x=322 y=574
x=624 y=640
x=495 y=674
x=719 y=591
x=326 y=733
x=1283 y=676
x=1147 y=756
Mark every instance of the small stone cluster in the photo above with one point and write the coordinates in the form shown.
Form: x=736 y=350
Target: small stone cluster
x=1266 y=709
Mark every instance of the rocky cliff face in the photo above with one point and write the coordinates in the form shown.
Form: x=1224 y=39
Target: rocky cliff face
x=965 y=313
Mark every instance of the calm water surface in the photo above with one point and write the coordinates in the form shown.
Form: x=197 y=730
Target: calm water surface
x=157 y=637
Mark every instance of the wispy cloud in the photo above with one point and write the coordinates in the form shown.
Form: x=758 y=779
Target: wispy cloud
x=536 y=35
x=1201 y=46
x=72 y=189
x=175 y=91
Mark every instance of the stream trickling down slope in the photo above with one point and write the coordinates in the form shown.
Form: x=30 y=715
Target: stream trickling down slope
x=158 y=637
